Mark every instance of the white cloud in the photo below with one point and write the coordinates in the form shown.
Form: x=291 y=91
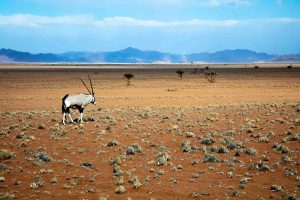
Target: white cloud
x=282 y=20
x=119 y=21
x=128 y=21
x=217 y=3
x=286 y=20
x=36 y=20
x=87 y=20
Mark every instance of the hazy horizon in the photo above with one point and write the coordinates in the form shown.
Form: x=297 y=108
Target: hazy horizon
x=173 y=26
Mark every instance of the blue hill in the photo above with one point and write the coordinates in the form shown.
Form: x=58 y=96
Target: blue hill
x=133 y=55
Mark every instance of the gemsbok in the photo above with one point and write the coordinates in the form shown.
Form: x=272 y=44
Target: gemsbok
x=77 y=101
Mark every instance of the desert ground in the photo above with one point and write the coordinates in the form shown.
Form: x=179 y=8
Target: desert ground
x=161 y=137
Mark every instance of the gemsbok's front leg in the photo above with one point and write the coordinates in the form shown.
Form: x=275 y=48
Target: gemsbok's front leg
x=81 y=115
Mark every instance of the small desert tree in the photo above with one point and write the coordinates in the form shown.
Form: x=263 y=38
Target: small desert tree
x=180 y=73
x=195 y=71
x=210 y=76
x=290 y=66
x=128 y=76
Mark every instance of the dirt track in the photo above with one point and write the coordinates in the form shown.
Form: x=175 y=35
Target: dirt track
x=251 y=109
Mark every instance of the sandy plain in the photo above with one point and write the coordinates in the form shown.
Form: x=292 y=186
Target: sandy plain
x=162 y=137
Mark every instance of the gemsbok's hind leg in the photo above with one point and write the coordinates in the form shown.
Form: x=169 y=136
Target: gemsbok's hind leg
x=70 y=117
x=64 y=118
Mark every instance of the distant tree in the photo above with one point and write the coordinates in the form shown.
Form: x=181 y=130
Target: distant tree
x=290 y=66
x=128 y=76
x=195 y=71
x=180 y=73
x=210 y=76
x=256 y=67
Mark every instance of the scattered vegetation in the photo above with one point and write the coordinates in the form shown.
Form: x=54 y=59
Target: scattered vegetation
x=112 y=142
x=43 y=157
x=263 y=139
x=6 y=154
x=204 y=141
x=281 y=148
x=136 y=183
x=41 y=126
x=208 y=141
x=133 y=148
x=186 y=146
x=120 y=189
x=87 y=165
x=276 y=188
x=162 y=159
x=251 y=151
x=210 y=76
x=211 y=158
x=190 y=134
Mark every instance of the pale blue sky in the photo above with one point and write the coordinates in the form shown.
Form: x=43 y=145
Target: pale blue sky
x=177 y=26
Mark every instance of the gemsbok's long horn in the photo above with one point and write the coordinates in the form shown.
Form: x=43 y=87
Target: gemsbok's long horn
x=91 y=85
x=85 y=85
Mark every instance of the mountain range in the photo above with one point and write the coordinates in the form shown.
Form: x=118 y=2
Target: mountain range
x=133 y=55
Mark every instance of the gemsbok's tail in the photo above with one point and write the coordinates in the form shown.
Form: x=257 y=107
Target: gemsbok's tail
x=63 y=107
